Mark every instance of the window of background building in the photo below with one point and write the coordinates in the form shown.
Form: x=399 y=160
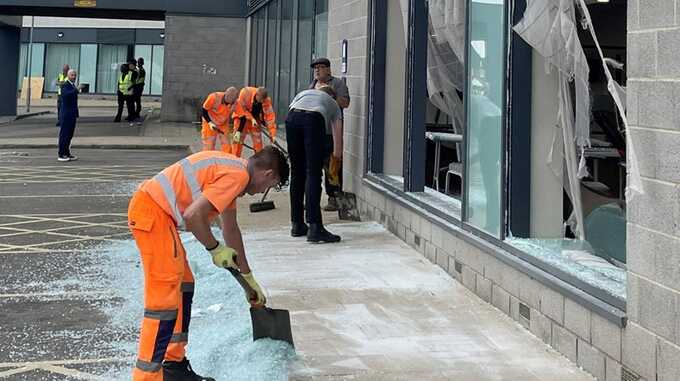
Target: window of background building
x=305 y=43
x=261 y=61
x=57 y=55
x=88 y=66
x=283 y=95
x=271 y=54
x=108 y=66
x=145 y=51
x=37 y=61
x=320 y=28
x=157 y=64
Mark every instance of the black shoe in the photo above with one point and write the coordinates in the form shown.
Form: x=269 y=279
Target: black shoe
x=332 y=205
x=72 y=157
x=299 y=229
x=318 y=234
x=181 y=371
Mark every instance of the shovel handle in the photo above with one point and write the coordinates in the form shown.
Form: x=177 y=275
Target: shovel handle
x=252 y=295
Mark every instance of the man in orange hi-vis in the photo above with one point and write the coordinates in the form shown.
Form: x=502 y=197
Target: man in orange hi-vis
x=217 y=110
x=252 y=112
x=190 y=193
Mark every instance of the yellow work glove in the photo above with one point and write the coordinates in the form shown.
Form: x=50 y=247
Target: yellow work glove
x=259 y=299
x=213 y=127
x=334 y=168
x=224 y=256
x=236 y=137
x=254 y=122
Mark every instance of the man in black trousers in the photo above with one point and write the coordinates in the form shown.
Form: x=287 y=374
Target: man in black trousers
x=67 y=116
x=312 y=117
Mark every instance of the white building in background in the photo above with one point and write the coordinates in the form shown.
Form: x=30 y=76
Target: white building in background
x=94 y=47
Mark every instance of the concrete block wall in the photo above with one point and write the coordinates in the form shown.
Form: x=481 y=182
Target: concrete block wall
x=349 y=20
x=648 y=348
x=652 y=340
x=584 y=337
x=202 y=55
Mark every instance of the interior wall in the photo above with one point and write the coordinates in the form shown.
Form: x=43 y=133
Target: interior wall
x=395 y=88
x=546 y=188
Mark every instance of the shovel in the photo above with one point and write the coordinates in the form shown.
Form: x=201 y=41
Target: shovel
x=267 y=322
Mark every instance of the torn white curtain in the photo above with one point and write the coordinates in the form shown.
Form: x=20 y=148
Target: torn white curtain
x=549 y=26
x=446 y=57
x=618 y=93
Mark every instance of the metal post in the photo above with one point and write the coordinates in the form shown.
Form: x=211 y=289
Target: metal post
x=28 y=66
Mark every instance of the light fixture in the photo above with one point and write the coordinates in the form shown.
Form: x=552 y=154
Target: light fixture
x=162 y=35
x=60 y=34
x=602 y=1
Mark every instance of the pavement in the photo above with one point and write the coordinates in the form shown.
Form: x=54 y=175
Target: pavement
x=368 y=308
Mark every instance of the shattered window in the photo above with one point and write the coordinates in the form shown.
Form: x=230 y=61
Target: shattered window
x=578 y=140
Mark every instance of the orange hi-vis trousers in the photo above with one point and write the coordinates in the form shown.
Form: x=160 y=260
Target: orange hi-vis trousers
x=249 y=130
x=210 y=137
x=168 y=288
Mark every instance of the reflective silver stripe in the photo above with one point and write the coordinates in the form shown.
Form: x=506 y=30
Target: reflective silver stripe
x=161 y=314
x=216 y=102
x=170 y=196
x=148 y=366
x=187 y=287
x=218 y=160
x=190 y=176
x=179 y=337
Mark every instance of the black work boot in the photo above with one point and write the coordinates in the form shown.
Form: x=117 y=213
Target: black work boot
x=299 y=229
x=318 y=234
x=181 y=371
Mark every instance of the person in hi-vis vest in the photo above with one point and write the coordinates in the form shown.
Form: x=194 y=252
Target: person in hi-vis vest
x=125 y=89
x=61 y=78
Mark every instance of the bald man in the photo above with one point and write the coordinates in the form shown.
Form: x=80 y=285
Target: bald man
x=217 y=110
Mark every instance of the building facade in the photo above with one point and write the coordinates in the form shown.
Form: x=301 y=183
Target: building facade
x=514 y=169
x=95 y=48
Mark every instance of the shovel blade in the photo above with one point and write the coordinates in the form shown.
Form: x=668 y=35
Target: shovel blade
x=347 y=206
x=271 y=323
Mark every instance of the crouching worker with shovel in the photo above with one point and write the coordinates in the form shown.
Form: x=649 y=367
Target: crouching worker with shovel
x=191 y=193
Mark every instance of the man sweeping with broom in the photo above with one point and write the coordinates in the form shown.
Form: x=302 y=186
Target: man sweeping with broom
x=191 y=193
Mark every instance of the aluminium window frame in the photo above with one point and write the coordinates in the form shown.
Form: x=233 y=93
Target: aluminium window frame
x=515 y=181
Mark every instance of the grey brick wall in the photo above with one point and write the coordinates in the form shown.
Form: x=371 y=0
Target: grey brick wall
x=650 y=341
x=349 y=20
x=649 y=345
x=202 y=55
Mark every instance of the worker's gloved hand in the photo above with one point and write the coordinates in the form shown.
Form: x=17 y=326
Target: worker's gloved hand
x=272 y=137
x=224 y=257
x=236 y=138
x=334 y=168
x=254 y=122
x=213 y=127
x=260 y=299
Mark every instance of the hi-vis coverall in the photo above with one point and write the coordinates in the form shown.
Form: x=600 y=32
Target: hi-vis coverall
x=155 y=211
x=244 y=114
x=219 y=113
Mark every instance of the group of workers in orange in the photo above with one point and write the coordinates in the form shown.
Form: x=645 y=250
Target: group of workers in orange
x=248 y=111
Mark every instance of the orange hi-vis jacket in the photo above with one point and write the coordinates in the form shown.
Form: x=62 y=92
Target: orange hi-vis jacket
x=244 y=107
x=219 y=177
x=219 y=112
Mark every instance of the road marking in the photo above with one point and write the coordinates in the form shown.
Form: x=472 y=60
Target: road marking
x=57 y=366
x=51 y=293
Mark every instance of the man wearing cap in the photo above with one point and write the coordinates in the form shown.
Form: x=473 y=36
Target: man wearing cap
x=323 y=77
